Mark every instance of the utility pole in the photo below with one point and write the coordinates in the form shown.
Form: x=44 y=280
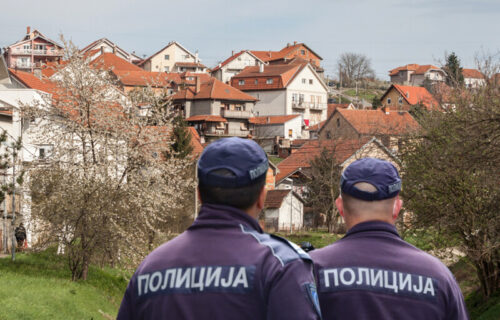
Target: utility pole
x=291 y=207
x=5 y=240
x=14 y=240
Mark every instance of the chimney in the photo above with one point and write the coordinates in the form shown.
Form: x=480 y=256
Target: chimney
x=219 y=65
x=114 y=49
x=232 y=53
x=295 y=42
x=197 y=84
x=102 y=50
x=261 y=68
x=196 y=57
x=268 y=119
x=28 y=30
x=385 y=109
x=269 y=53
x=288 y=45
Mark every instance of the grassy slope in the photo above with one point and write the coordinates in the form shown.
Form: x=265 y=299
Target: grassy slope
x=37 y=286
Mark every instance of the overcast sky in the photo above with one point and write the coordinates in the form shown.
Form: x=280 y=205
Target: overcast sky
x=390 y=32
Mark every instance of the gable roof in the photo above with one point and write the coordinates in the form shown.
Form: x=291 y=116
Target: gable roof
x=472 y=73
x=190 y=64
x=418 y=69
x=144 y=78
x=302 y=157
x=109 y=42
x=234 y=56
x=31 y=81
x=264 y=120
x=275 y=197
x=206 y=118
x=33 y=35
x=110 y=60
x=285 y=72
x=165 y=47
x=377 y=122
x=213 y=89
x=414 y=95
x=195 y=141
x=279 y=55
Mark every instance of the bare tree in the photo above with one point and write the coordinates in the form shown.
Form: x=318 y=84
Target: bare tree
x=107 y=186
x=353 y=67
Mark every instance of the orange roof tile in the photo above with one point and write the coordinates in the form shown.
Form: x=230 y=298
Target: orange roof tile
x=195 y=141
x=408 y=67
x=255 y=80
x=416 y=95
x=275 y=198
x=110 y=61
x=272 y=119
x=213 y=90
x=31 y=81
x=301 y=158
x=144 y=78
x=190 y=64
x=317 y=126
x=472 y=73
x=375 y=122
x=423 y=69
x=283 y=53
x=206 y=118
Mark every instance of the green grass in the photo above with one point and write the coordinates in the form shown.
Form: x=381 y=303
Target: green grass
x=318 y=239
x=481 y=310
x=368 y=95
x=38 y=286
x=275 y=160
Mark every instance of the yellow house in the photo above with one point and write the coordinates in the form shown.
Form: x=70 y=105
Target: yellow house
x=173 y=58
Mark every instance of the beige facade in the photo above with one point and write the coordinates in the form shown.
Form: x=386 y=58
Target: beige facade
x=166 y=59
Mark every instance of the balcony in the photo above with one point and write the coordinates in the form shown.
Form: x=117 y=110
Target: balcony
x=38 y=52
x=236 y=114
x=23 y=65
x=298 y=105
x=317 y=106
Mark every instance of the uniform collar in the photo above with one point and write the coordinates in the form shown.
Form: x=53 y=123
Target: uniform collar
x=214 y=215
x=372 y=226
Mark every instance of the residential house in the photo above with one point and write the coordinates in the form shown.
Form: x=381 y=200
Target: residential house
x=283 y=210
x=415 y=74
x=403 y=98
x=473 y=78
x=32 y=51
x=273 y=131
x=291 y=51
x=105 y=45
x=388 y=126
x=216 y=109
x=285 y=89
x=233 y=65
x=314 y=129
x=173 y=58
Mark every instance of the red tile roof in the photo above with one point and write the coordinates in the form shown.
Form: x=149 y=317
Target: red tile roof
x=190 y=64
x=377 y=122
x=472 y=73
x=415 y=95
x=317 y=126
x=108 y=61
x=283 y=53
x=195 y=141
x=301 y=158
x=213 y=90
x=275 y=198
x=419 y=69
x=272 y=119
x=30 y=81
x=423 y=69
x=206 y=118
x=282 y=74
x=144 y=78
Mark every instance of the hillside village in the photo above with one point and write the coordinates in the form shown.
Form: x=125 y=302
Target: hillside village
x=280 y=98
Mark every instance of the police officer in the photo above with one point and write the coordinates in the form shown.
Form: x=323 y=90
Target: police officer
x=372 y=273
x=224 y=266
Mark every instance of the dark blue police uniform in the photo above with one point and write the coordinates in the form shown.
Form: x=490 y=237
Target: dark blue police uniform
x=372 y=273
x=223 y=267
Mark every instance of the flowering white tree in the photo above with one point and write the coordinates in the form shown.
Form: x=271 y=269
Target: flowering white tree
x=107 y=184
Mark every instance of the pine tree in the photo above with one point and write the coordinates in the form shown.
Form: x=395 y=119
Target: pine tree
x=454 y=75
x=182 y=138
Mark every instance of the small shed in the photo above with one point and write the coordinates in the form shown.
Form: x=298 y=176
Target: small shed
x=283 y=210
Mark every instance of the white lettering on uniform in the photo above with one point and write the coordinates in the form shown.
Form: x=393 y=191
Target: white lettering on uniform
x=404 y=282
x=376 y=278
x=227 y=282
x=429 y=286
x=419 y=290
x=213 y=276
x=201 y=275
x=327 y=278
x=360 y=276
x=154 y=287
x=169 y=274
x=394 y=284
x=241 y=278
x=183 y=278
x=342 y=276
x=144 y=277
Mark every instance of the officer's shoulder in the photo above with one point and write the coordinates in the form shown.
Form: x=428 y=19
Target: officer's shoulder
x=283 y=250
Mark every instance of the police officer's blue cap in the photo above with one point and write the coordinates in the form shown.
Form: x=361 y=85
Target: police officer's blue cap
x=382 y=174
x=243 y=157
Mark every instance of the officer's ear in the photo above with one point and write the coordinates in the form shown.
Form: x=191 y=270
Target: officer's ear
x=262 y=198
x=339 y=203
x=398 y=203
x=198 y=194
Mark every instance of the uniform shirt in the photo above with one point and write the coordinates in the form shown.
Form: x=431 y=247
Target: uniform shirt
x=223 y=267
x=372 y=273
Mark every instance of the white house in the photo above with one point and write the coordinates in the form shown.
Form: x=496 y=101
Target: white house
x=104 y=45
x=285 y=89
x=473 y=78
x=233 y=65
x=173 y=58
x=415 y=74
x=283 y=208
x=270 y=130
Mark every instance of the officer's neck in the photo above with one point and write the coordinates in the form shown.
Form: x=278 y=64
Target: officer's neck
x=353 y=219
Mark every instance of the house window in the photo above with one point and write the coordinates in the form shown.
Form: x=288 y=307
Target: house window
x=328 y=134
x=389 y=100
x=256 y=81
x=186 y=56
x=243 y=126
x=301 y=97
x=407 y=95
x=400 y=100
x=338 y=122
x=303 y=52
x=239 y=58
x=304 y=80
x=241 y=82
x=41 y=153
x=310 y=81
x=290 y=133
x=167 y=57
x=269 y=81
x=238 y=108
x=220 y=125
x=167 y=69
x=295 y=97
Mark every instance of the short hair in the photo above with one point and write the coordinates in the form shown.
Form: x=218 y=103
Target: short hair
x=239 y=197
